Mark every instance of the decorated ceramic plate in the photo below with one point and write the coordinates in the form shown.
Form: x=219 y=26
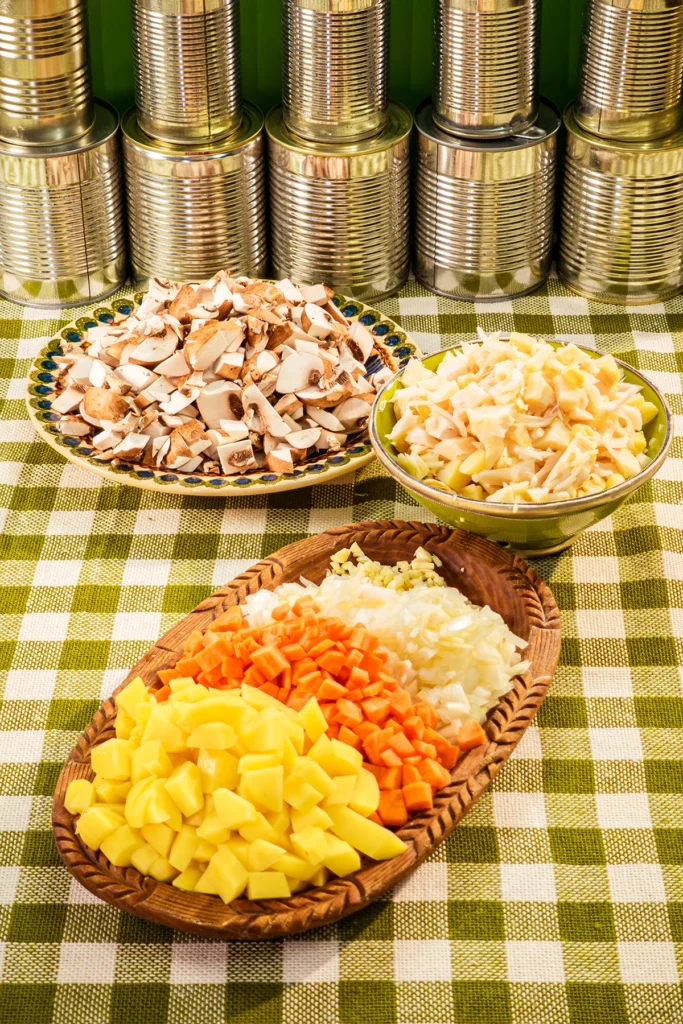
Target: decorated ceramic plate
x=393 y=348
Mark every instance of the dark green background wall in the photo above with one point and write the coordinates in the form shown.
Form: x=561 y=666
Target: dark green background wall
x=411 y=50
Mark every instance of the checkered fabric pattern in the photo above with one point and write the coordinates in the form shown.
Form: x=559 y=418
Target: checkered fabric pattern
x=559 y=900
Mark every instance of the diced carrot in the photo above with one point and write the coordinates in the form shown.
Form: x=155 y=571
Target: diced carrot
x=333 y=731
x=349 y=737
x=194 y=642
x=373 y=745
x=392 y=727
x=415 y=760
x=362 y=640
x=329 y=712
x=304 y=602
x=470 y=734
x=331 y=661
x=449 y=757
x=293 y=652
x=401 y=745
x=211 y=677
x=329 y=690
x=337 y=630
x=163 y=693
x=358 y=678
x=348 y=713
x=426 y=749
x=270 y=688
x=376 y=818
x=373 y=690
x=365 y=728
x=375 y=770
x=297 y=700
x=188 y=667
x=417 y=796
x=303 y=667
x=392 y=808
x=432 y=772
x=354 y=695
x=245 y=648
x=414 y=727
x=391 y=779
x=320 y=648
x=280 y=613
x=410 y=774
x=372 y=665
x=400 y=703
x=232 y=667
x=390 y=758
x=167 y=674
x=232 y=619
x=354 y=659
x=427 y=713
x=270 y=661
x=254 y=677
x=311 y=682
x=376 y=709
x=286 y=679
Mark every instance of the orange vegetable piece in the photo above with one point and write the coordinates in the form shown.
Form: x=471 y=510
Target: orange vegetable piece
x=358 y=678
x=401 y=745
x=329 y=690
x=390 y=758
x=293 y=652
x=426 y=749
x=432 y=772
x=253 y=677
x=348 y=713
x=417 y=796
x=270 y=661
x=280 y=613
x=410 y=774
x=210 y=678
x=163 y=693
x=232 y=620
x=392 y=809
x=470 y=735
x=188 y=667
x=320 y=648
x=194 y=642
x=391 y=779
x=232 y=667
x=373 y=690
x=349 y=737
x=331 y=661
x=414 y=727
x=376 y=709
x=270 y=688
x=449 y=757
x=167 y=674
x=366 y=728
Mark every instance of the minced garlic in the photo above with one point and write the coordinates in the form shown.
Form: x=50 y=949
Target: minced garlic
x=421 y=571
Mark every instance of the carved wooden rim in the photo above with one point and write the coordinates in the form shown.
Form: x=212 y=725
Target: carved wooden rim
x=510 y=586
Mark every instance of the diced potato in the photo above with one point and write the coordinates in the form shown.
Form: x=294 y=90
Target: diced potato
x=266 y=733
x=150 y=759
x=366 y=836
x=315 y=776
x=310 y=844
x=136 y=800
x=142 y=714
x=158 y=807
x=297 y=884
x=313 y=720
x=340 y=857
x=208 y=882
x=183 y=850
x=264 y=787
x=218 y=769
x=240 y=847
x=218 y=707
x=262 y=855
x=212 y=830
x=344 y=786
x=162 y=871
x=161 y=837
x=188 y=879
x=289 y=754
x=295 y=867
x=204 y=851
x=110 y=792
x=131 y=695
x=258 y=829
x=257 y=699
x=119 y=846
x=298 y=793
x=315 y=818
x=95 y=824
x=183 y=683
x=229 y=875
x=295 y=732
x=189 y=695
x=125 y=724
x=251 y=762
x=280 y=820
x=321 y=875
x=80 y=795
x=268 y=885
x=337 y=758
x=185 y=788
x=233 y=810
x=365 y=799
x=111 y=760
x=161 y=727
x=143 y=858
x=215 y=735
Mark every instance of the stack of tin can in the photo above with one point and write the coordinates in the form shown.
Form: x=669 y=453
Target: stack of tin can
x=194 y=152
x=62 y=239
x=486 y=156
x=622 y=211
x=339 y=152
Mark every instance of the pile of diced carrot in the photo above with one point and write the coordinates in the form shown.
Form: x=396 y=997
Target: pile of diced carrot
x=302 y=654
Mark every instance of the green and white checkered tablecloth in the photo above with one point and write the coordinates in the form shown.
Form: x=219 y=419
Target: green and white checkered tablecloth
x=559 y=900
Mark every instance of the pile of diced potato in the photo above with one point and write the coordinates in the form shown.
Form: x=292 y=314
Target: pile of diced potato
x=222 y=792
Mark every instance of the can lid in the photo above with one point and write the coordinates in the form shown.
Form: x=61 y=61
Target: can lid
x=667 y=144
x=250 y=127
x=105 y=125
x=398 y=126
x=546 y=125
x=335 y=6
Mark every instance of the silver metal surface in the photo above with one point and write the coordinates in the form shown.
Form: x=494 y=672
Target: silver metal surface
x=340 y=213
x=187 y=69
x=62 y=231
x=335 y=68
x=621 y=237
x=632 y=71
x=191 y=214
x=485 y=66
x=45 y=95
x=484 y=209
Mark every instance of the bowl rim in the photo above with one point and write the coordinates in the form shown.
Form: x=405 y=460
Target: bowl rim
x=508 y=510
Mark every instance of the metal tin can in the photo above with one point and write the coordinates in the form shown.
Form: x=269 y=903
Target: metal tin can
x=187 y=69
x=632 y=71
x=335 y=68
x=485 y=67
x=621 y=236
x=340 y=213
x=192 y=213
x=484 y=209
x=45 y=95
x=62 y=230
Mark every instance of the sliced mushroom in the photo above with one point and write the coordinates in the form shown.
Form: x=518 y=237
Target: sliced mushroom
x=184 y=301
x=229 y=365
x=315 y=322
x=69 y=400
x=330 y=441
x=158 y=390
x=175 y=366
x=303 y=439
x=203 y=347
x=102 y=405
x=353 y=414
x=279 y=460
x=180 y=400
x=73 y=426
x=316 y=293
x=214 y=402
x=139 y=377
x=278 y=336
x=336 y=314
x=236 y=457
x=310 y=347
x=131 y=447
x=154 y=349
x=291 y=292
x=290 y=405
x=106 y=440
x=271 y=420
x=235 y=430
x=324 y=399
x=259 y=365
x=267 y=385
x=299 y=372
x=324 y=419
x=266 y=290
x=99 y=372
x=360 y=342
x=160 y=447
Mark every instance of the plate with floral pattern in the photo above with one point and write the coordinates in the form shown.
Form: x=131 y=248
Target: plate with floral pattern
x=394 y=349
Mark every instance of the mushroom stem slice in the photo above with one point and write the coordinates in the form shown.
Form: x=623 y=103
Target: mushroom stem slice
x=279 y=460
x=236 y=457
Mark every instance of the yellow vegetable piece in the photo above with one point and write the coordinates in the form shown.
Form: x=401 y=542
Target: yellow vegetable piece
x=185 y=788
x=229 y=876
x=161 y=837
x=216 y=735
x=474 y=463
x=204 y=851
x=183 y=850
x=297 y=885
x=474 y=491
x=451 y=476
x=295 y=867
x=366 y=836
x=158 y=807
x=279 y=821
x=321 y=875
x=316 y=818
x=315 y=776
x=365 y=799
x=240 y=847
x=111 y=760
x=143 y=858
x=257 y=699
x=289 y=754
x=223 y=707
x=262 y=855
x=233 y=810
x=309 y=844
x=340 y=857
x=161 y=727
x=313 y=720
x=125 y=724
x=266 y=733
x=258 y=829
x=119 y=846
x=264 y=787
x=135 y=802
x=80 y=795
x=184 y=683
x=268 y=885
x=344 y=786
x=110 y=792
x=188 y=879
x=189 y=695
x=150 y=759
x=132 y=695
x=207 y=883
x=298 y=793
x=295 y=732
x=212 y=830
x=218 y=769
x=162 y=871
x=95 y=824
x=143 y=712
x=336 y=758
x=250 y=762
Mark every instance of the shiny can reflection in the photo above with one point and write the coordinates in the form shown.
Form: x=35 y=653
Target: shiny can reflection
x=192 y=213
x=340 y=213
x=484 y=209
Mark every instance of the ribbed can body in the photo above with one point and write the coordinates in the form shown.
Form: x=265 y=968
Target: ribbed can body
x=621 y=236
x=341 y=214
x=484 y=210
x=187 y=68
x=632 y=72
x=62 y=229
x=335 y=68
x=485 y=66
x=45 y=94
x=191 y=214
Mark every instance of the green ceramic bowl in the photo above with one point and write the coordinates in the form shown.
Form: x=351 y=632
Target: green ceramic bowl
x=532 y=530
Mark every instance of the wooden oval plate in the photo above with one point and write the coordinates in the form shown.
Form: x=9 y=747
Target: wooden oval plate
x=486 y=574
